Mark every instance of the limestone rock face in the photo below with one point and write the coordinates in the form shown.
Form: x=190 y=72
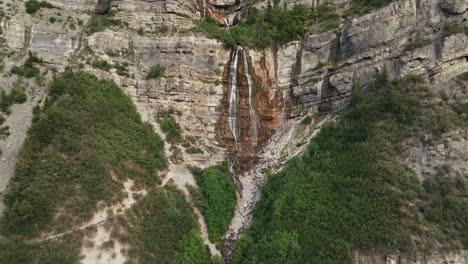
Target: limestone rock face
x=378 y=41
x=102 y=6
x=223 y=3
x=456 y=7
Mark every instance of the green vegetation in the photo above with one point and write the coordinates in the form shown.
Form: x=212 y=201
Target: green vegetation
x=32 y=6
x=217 y=200
x=313 y=80
x=4 y=131
x=99 y=23
x=350 y=189
x=16 y=96
x=417 y=43
x=361 y=7
x=307 y=120
x=64 y=250
x=169 y=126
x=84 y=143
x=122 y=69
x=192 y=250
x=28 y=70
x=161 y=228
x=274 y=26
x=155 y=72
x=101 y=64
x=445 y=208
x=452 y=28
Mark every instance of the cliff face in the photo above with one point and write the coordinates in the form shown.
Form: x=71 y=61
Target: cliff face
x=237 y=102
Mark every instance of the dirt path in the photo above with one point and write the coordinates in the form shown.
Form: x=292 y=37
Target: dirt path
x=19 y=122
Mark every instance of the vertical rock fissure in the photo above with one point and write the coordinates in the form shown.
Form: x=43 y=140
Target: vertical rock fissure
x=326 y=105
x=252 y=113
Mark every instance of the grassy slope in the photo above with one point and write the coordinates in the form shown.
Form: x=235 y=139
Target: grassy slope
x=162 y=228
x=86 y=140
x=87 y=131
x=350 y=189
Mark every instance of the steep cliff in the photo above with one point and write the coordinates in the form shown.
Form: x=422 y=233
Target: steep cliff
x=257 y=106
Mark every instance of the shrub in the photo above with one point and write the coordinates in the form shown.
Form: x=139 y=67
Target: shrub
x=101 y=64
x=99 y=23
x=122 y=69
x=32 y=6
x=307 y=120
x=172 y=130
x=28 y=70
x=192 y=250
x=219 y=192
x=16 y=96
x=452 y=28
x=417 y=43
x=4 y=132
x=155 y=72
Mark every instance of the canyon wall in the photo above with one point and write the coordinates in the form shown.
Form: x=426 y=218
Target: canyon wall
x=232 y=102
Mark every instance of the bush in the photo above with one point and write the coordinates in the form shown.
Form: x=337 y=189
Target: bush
x=155 y=72
x=452 y=28
x=99 y=23
x=307 y=120
x=32 y=6
x=417 y=43
x=192 y=250
x=172 y=130
x=122 y=69
x=28 y=70
x=101 y=64
x=16 y=96
x=219 y=193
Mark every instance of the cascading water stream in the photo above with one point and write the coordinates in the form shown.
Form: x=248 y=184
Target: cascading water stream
x=253 y=116
x=233 y=118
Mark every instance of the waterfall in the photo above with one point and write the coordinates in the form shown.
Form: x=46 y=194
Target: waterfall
x=253 y=116
x=233 y=118
x=226 y=23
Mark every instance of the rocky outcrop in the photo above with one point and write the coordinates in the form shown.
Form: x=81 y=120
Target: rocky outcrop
x=102 y=6
x=378 y=41
x=455 y=7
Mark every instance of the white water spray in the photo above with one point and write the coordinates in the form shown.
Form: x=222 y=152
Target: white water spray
x=233 y=118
